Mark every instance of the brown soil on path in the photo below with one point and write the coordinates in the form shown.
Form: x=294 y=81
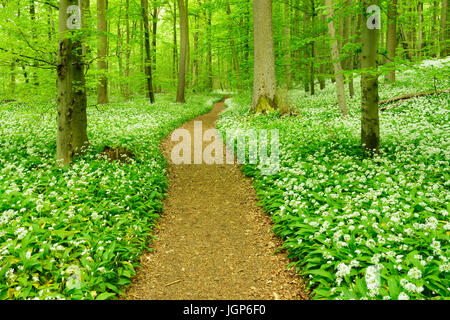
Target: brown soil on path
x=214 y=242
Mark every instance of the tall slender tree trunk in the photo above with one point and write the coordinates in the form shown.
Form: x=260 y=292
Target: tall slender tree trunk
x=188 y=43
x=420 y=29
x=350 y=60
x=12 y=73
x=348 y=65
x=370 y=123
x=287 y=41
x=209 y=64
x=306 y=53
x=195 y=64
x=264 y=83
x=102 y=88
x=127 y=49
x=233 y=50
x=175 y=45
x=148 y=60
x=313 y=47
x=34 y=39
x=71 y=134
x=391 y=38
x=434 y=29
x=183 y=51
x=119 y=50
x=321 y=76
x=154 y=35
x=340 y=90
x=444 y=29
x=85 y=7
x=297 y=55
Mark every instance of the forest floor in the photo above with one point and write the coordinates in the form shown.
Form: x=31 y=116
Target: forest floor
x=213 y=241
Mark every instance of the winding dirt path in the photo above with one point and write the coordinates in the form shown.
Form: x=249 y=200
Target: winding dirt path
x=214 y=242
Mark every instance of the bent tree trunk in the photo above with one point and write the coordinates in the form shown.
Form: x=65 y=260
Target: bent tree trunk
x=370 y=123
x=264 y=83
x=71 y=102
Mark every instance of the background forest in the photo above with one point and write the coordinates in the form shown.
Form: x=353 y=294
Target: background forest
x=220 y=48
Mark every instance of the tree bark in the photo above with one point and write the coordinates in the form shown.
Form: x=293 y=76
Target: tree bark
x=340 y=90
x=287 y=41
x=313 y=48
x=71 y=135
x=321 y=76
x=209 y=64
x=154 y=35
x=148 y=60
x=370 y=123
x=348 y=60
x=102 y=88
x=127 y=49
x=444 y=29
x=233 y=49
x=391 y=38
x=420 y=27
x=183 y=52
x=264 y=82
x=175 y=45
x=12 y=83
x=195 y=64
x=34 y=40
x=306 y=53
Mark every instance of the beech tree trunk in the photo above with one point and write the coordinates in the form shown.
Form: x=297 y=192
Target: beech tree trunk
x=175 y=45
x=233 y=50
x=370 y=123
x=321 y=48
x=209 y=64
x=420 y=29
x=305 y=55
x=183 y=51
x=33 y=40
x=195 y=64
x=391 y=38
x=287 y=39
x=264 y=82
x=127 y=49
x=340 y=89
x=71 y=134
x=154 y=35
x=444 y=29
x=102 y=88
x=313 y=48
x=147 y=59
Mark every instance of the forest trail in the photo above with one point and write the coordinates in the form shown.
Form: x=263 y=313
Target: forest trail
x=214 y=242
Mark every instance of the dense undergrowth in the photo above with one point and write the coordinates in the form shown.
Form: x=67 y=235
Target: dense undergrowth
x=77 y=232
x=355 y=227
